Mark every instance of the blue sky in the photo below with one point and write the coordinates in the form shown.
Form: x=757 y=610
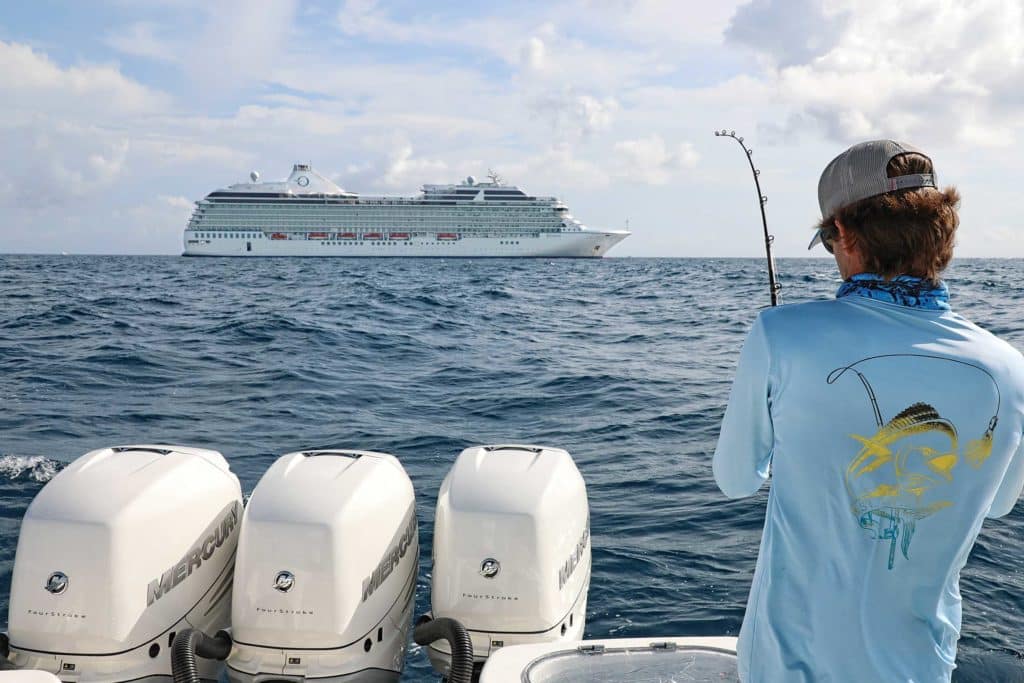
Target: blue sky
x=118 y=115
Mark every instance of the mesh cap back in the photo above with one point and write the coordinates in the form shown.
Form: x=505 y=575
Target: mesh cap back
x=860 y=172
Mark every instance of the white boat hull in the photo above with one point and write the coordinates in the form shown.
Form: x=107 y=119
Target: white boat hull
x=581 y=244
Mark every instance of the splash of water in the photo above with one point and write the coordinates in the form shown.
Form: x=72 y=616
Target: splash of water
x=34 y=467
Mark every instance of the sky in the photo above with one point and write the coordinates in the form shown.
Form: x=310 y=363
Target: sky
x=117 y=115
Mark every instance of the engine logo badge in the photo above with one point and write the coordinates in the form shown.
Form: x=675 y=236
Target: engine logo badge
x=489 y=568
x=57 y=583
x=284 y=581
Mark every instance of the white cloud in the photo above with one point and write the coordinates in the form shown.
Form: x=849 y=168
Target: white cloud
x=223 y=47
x=316 y=123
x=555 y=169
x=649 y=160
x=532 y=55
x=239 y=44
x=177 y=201
x=30 y=81
x=142 y=39
x=928 y=70
x=790 y=33
x=567 y=98
x=574 y=115
x=668 y=24
x=406 y=171
x=53 y=163
x=69 y=132
x=169 y=150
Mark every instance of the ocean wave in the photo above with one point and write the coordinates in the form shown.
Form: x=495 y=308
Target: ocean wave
x=29 y=467
x=625 y=363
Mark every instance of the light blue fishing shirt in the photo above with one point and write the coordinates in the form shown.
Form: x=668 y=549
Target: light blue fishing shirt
x=892 y=428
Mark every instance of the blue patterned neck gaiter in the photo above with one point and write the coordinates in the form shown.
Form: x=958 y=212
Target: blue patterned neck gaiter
x=904 y=290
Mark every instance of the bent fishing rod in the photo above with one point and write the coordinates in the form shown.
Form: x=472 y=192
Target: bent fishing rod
x=773 y=283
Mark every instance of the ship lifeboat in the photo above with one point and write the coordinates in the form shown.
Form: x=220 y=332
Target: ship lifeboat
x=399 y=236
x=346 y=235
x=278 y=236
x=372 y=236
x=447 y=235
x=317 y=235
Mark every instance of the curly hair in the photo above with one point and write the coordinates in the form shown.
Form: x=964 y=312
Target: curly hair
x=906 y=232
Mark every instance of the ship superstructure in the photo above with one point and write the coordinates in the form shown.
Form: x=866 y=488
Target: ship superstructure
x=309 y=215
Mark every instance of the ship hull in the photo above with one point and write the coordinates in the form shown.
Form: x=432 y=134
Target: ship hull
x=581 y=244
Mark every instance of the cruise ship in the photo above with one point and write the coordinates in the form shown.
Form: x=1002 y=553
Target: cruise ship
x=308 y=215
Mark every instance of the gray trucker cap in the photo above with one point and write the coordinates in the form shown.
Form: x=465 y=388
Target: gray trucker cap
x=859 y=173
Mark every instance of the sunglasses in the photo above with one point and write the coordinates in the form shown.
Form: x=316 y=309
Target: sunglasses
x=828 y=237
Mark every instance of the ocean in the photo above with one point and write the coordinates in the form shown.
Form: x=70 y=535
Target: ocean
x=626 y=363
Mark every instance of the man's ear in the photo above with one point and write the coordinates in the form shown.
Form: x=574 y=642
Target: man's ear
x=847 y=237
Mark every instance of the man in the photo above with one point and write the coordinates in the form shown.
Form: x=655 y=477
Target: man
x=892 y=428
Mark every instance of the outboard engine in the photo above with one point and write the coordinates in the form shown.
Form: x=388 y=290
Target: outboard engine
x=326 y=571
x=511 y=549
x=118 y=552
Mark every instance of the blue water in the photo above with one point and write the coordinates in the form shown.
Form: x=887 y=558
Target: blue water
x=626 y=363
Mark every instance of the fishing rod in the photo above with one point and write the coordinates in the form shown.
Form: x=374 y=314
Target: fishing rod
x=773 y=283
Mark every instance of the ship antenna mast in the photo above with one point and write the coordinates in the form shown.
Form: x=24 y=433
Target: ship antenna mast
x=773 y=283
x=494 y=177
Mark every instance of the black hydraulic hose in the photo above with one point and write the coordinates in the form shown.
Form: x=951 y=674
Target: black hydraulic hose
x=191 y=643
x=428 y=630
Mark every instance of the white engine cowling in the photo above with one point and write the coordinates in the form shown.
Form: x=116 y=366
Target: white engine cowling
x=118 y=552
x=511 y=558
x=27 y=677
x=326 y=571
